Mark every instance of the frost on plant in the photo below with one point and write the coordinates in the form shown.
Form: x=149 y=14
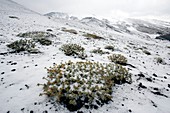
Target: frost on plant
x=98 y=51
x=117 y=58
x=73 y=50
x=159 y=60
x=70 y=31
x=36 y=34
x=43 y=41
x=22 y=45
x=79 y=84
x=109 y=47
x=92 y=36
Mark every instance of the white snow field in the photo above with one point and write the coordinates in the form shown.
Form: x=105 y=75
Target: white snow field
x=21 y=72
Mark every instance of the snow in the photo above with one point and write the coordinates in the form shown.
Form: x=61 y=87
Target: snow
x=30 y=68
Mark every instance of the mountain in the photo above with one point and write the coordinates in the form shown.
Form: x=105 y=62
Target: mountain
x=23 y=67
x=60 y=15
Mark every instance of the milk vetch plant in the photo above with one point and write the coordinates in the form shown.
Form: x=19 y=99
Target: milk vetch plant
x=73 y=50
x=117 y=58
x=79 y=84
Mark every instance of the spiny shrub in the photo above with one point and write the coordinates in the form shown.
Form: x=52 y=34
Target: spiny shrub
x=43 y=41
x=117 y=58
x=109 y=47
x=159 y=60
x=70 y=31
x=36 y=34
x=93 y=36
x=22 y=45
x=83 y=83
x=98 y=51
x=73 y=49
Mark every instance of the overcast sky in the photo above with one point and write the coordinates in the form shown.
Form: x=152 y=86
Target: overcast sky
x=103 y=8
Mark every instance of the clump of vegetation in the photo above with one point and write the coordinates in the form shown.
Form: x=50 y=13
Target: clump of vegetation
x=146 y=52
x=159 y=60
x=92 y=36
x=70 y=31
x=79 y=84
x=99 y=51
x=118 y=58
x=109 y=47
x=73 y=50
x=36 y=34
x=22 y=45
x=43 y=41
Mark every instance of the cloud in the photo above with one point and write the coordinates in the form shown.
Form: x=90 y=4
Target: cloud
x=101 y=7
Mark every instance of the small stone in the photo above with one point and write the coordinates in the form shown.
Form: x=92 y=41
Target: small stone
x=155 y=89
x=27 y=86
x=122 y=104
x=13 y=70
x=2 y=73
x=14 y=63
x=22 y=109
x=79 y=111
x=31 y=111
x=149 y=79
x=142 y=86
x=155 y=75
x=130 y=110
x=165 y=77
x=169 y=85
x=141 y=75
x=8 y=111
x=45 y=111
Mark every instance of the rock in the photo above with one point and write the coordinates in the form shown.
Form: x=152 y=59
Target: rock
x=155 y=75
x=13 y=70
x=27 y=86
x=141 y=75
x=149 y=79
x=159 y=93
x=142 y=86
x=169 y=85
x=31 y=111
x=49 y=30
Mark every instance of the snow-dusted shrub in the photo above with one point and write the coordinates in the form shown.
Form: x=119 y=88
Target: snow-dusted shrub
x=117 y=58
x=109 y=47
x=36 y=34
x=70 y=31
x=22 y=45
x=73 y=49
x=93 y=36
x=43 y=41
x=98 y=51
x=160 y=60
x=83 y=83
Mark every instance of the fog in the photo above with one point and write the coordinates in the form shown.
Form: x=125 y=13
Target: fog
x=103 y=8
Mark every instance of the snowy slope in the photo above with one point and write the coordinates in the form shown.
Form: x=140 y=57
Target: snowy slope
x=21 y=72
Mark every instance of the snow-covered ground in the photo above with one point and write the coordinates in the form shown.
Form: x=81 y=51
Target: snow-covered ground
x=20 y=73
